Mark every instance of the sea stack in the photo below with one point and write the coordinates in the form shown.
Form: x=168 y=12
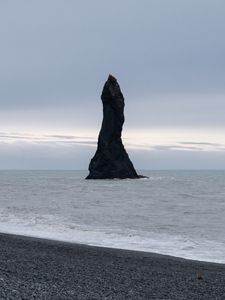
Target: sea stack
x=111 y=159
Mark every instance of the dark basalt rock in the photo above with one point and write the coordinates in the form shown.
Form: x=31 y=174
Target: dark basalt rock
x=111 y=159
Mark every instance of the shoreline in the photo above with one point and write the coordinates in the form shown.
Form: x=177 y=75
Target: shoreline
x=39 y=268
x=136 y=252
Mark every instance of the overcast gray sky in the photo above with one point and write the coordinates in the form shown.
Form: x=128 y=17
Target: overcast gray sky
x=168 y=56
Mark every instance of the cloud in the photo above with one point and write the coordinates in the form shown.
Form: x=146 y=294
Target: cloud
x=46 y=138
x=182 y=55
x=59 y=151
x=55 y=58
x=207 y=146
x=200 y=143
x=129 y=142
x=176 y=147
x=191 y=146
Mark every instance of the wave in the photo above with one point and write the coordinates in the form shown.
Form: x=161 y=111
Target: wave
x=54 y=228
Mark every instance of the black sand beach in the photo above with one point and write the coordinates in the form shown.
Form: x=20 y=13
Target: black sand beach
x=33 y=268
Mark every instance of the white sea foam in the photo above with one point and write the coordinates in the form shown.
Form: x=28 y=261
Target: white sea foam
x=174 y=213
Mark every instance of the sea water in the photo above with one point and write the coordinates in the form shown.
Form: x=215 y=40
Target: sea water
x=180 y=213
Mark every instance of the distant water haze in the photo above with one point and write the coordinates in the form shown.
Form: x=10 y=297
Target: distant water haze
x=155 y=148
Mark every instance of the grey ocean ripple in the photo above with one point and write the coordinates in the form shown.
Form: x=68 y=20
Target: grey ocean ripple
x=179 y=213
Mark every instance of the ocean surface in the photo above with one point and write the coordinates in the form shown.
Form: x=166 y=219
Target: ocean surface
x=180 y=213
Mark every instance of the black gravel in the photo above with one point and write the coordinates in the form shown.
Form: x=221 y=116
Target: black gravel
x=41 y=269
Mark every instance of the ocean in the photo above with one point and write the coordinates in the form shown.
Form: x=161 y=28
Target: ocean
x=179 y=213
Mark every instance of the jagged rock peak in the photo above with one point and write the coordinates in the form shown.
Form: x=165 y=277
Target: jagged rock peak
x=112 y=79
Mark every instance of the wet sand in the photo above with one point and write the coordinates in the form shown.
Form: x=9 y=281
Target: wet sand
x=32 y=268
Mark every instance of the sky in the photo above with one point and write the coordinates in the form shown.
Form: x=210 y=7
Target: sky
x=168 y=56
